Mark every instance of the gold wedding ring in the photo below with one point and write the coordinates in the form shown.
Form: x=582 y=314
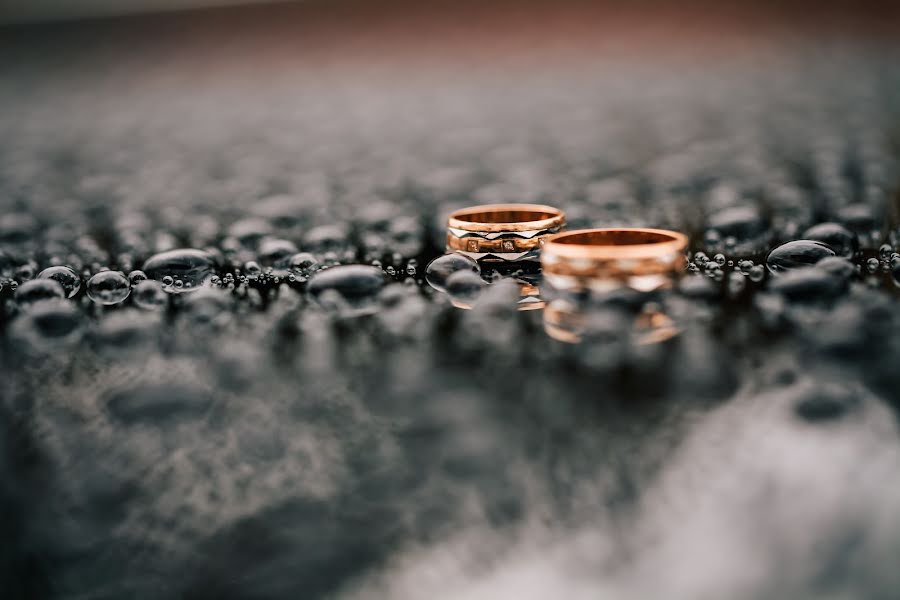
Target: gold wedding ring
x=502 y=232
x=603 y=259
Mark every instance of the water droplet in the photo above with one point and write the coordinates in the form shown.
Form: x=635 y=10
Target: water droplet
x=48 y=325
x=108 y=287
x=838 y=266
x=17 y=228
x=741 y=227
x=149 y=295
x=698 y=288
x=185 y=264
x=872 y=265
x=714 y=271
x=126 y=330
x=65 y=276
x=440 y=269
x=809 y=285
x=248 y=232
x=402 y=312
x=354 y=287
x=859 y=218
x=326 y=238
x=895 y=271
x=771 y=308
x=737 y=282
x=38 y=290
x=135 y=277
x=25 y=272
x=464 y=287
x=756 y=273
x=796 y=255
x=837 y=237
x=276 y=253
x=252 y=269
x=282 y=210
x=209 y=306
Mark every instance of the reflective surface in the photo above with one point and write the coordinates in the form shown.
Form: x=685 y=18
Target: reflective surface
x=325 y=424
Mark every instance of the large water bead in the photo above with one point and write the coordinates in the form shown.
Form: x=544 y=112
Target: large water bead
x=326 y=238
x=740 y=228
x=48 y=326
x=65 y=276
x=809 y=285
x=108 y=287
x=859 y=218
x=193 y=268
x=276 y=253
x=150 y=295
x=834 y=235
x=37 y=290
x=249 y=232
x=350 y=289
x=839 y=266
x=797 y=255
x=303 y=265
x=464 y=287
x=440 y=269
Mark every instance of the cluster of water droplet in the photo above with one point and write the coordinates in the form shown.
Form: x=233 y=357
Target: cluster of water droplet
x=239 y=328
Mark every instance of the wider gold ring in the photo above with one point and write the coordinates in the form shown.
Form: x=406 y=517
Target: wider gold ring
x=602 y=259
x=502 y=232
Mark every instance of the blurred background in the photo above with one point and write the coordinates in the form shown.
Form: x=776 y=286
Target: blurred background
x=42 y=10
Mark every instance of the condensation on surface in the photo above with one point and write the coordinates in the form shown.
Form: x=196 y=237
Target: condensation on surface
x=256 y=418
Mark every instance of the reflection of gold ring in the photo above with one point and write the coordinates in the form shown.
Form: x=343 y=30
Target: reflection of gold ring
x=564 y=321
x=502 y=232
x=530 y=298
x=600 y=259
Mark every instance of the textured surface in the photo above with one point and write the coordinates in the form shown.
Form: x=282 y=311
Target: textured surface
x=351 y=434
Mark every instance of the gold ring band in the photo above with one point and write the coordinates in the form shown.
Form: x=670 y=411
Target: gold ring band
x=502 y=232
x=600 y=259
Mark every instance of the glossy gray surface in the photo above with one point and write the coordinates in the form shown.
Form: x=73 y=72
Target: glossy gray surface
x=243 y=438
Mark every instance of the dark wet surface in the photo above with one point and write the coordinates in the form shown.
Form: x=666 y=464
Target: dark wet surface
x=230 y=411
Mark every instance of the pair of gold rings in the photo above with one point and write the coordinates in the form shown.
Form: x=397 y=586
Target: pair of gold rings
x=596 y=259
